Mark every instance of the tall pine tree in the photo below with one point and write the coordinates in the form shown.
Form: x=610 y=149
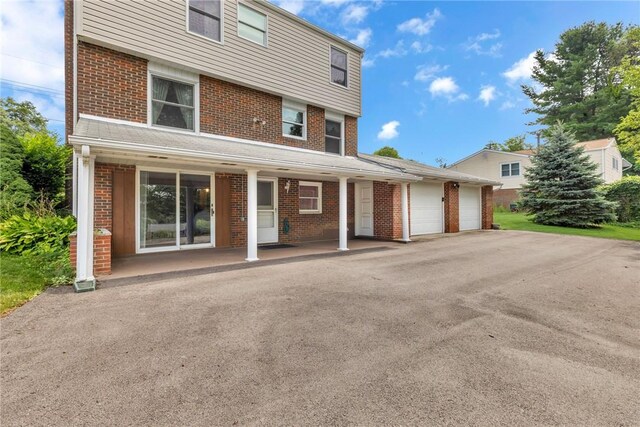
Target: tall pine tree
x=562 y=184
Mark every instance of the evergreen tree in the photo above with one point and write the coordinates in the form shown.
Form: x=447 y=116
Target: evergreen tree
x=561 y=186
x=573 y=83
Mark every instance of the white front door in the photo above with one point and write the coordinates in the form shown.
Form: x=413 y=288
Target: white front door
x=267 y=210
x=470 y=208
x=364 y=208
x=426 y=208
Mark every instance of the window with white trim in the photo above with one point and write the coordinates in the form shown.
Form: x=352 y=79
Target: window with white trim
x=310 y=197
x=615 y=163
x=252 y=25
x=510 y=169
x=334 y=133
x=205 y=18
x=294 y=120
x=338 y=67
x=172 y=103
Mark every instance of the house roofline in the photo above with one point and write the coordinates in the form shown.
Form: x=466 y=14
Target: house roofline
x=489 y=151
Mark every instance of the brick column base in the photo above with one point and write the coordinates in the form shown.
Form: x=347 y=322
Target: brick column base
x=101 y=252
x=487 y=207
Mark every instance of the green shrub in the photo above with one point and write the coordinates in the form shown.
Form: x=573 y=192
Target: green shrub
x=626 y=193
x=30 y=233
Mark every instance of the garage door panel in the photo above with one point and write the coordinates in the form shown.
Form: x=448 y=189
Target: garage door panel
x=470 y=208
x=426 y=208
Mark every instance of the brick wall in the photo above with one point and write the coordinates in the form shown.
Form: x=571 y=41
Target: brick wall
x=504 y=197
x=451 y=208
x=111 y=84
x=487 y=207
x=387 y=211
x=114 y=85
x=310 y=227
x=101 y=253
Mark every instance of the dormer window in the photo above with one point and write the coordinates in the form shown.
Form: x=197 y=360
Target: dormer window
x=205 y=18
x=338 y=67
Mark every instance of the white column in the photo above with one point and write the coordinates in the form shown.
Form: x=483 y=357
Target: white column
x=342 y=246
x=252 y=215
x=84 y=257
x=404 y=202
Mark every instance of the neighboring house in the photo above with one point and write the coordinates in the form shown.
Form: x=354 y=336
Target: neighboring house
x=445 y=201
x=216 y=123
x=509 y=167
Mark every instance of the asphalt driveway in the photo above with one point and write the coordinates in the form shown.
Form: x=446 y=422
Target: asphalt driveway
x=482 y=328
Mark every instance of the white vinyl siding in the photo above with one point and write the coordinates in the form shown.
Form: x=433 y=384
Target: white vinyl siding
x=252 y=25
x=158 y=30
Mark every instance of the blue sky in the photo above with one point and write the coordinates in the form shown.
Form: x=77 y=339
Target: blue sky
x=441 y=79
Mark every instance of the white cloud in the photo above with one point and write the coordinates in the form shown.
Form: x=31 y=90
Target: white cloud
x=522 y=69
x=367 y=62
x=389 y=130
x=363 y=37
x=293 y=6
x=428 y=72
x=396 y=51
x=477 y=44
x=446 y=87
x=419 y=47
x=507 y=105
x=31 y=43
x=420 y=26
x=487 y=94
x=334 y=3
x=355 y=13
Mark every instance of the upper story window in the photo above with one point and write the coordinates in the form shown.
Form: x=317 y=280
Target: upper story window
x=294 y=120
x=615 y=163
x=252 y=25
x=338 y=67
x=334 y=134
x=172 y=103
x=510 y=169
x=205 y=18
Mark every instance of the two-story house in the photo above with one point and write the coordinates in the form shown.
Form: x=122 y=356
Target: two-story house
x=216 y=123
x=508 y=167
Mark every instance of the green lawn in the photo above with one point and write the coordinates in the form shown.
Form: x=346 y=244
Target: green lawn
x=19 y=282
x=519 y=221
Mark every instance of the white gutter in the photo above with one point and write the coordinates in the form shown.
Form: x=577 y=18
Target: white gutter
x=243 y=160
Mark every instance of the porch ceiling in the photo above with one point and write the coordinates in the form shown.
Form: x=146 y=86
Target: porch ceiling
x=113 y=138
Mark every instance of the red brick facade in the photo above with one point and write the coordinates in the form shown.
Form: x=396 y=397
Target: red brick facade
x=451 y=207
x=487 y=207
x=504 y=197
x=101 y=253
x=387 y=211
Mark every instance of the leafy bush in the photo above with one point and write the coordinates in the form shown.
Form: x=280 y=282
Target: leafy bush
x=626 y=193
x=15 y=192
x=45 y=163
x=30 y=233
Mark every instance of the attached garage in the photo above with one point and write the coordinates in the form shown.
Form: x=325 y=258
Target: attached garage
x=470 y=208
x=426 y=208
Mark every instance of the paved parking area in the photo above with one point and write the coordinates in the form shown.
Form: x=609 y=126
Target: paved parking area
x=482 y=328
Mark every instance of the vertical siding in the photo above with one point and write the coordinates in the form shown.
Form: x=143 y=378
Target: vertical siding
x=295 y=64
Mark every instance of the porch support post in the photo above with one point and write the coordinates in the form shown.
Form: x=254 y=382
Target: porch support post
x=252 y=215
x=85 y=281
x=342 y=246
x=404 y=201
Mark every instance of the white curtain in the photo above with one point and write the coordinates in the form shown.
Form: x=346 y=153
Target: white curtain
x=160 y=90
x=184 y=94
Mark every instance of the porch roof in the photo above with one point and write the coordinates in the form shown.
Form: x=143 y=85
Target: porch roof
x=137 y=139
x=426 y=171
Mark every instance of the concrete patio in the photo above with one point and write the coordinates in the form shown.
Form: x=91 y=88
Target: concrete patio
x=196 y=259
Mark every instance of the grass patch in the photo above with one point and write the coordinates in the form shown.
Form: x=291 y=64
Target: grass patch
x=24 y=277
x=519 y=221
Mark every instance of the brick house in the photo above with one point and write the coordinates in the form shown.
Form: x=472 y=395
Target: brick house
x=218 y=123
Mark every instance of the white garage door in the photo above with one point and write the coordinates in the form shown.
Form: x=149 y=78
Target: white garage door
x=470 y=208
x=426 y=208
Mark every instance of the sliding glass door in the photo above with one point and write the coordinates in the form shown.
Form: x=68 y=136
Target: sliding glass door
x=175 y=211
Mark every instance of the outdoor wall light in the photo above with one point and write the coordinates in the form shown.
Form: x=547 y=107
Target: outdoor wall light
x=456 y=185
x=257 y=120
x=287 y=186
